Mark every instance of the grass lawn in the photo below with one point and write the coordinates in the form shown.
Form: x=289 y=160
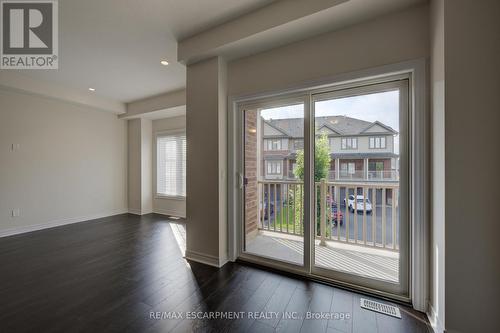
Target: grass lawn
x=279 y=222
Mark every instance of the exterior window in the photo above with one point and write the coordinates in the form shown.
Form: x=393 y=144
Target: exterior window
x=378 y=142
x=351 y=168
x=273 y=144
x=347 y=168
x=343 y=168
x=171 y=165
x=299 y=144
x=375 y=166
x=349 y=143
x=273 y=168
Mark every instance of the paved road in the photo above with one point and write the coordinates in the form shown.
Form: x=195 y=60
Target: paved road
x=369 y=225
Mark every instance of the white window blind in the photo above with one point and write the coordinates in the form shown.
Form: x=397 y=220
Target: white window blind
x=171 y=165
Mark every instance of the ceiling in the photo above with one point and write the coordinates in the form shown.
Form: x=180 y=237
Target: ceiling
x=281 y=23
x=115 y=46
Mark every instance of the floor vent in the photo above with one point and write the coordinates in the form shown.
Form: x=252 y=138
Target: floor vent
x=381 y=307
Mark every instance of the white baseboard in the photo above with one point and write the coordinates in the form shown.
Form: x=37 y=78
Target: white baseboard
x=169 y=212
x=57 y=223
x=205 y=259
x=139 y=211
x=437 y=325
x=135 y=211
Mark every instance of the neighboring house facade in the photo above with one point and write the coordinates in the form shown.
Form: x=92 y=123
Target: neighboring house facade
x=359 y=150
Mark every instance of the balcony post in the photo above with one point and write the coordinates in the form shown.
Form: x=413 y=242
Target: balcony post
x=337 y=168
x=365 y=164
x=322 y=207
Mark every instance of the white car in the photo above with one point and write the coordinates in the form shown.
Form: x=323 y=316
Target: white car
x=360 y=205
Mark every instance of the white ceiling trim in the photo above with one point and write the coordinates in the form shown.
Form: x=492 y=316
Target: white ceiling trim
x=158 y=114
x=205 y=44
x=282 y=23
x=170 y=100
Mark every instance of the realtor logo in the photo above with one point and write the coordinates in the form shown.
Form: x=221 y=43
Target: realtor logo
x=29 y=34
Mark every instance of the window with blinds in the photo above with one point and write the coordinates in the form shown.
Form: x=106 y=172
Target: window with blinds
x=171 y=165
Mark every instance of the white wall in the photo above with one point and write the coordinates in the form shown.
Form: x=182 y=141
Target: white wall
x=465 y=105
x=140 y=168
x=206 y=184
x=134 y=166
x=71 y=164
x=386 y=40
x=167 y=206
x=472 y=153
x=146 y=166
x=437 y=200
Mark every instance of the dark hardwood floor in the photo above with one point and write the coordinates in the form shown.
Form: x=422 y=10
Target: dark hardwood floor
x=126 y=274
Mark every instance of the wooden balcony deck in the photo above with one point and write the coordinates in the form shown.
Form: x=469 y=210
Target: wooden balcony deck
x=360 y=260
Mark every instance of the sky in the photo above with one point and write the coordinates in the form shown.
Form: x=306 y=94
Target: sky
x=383 y=106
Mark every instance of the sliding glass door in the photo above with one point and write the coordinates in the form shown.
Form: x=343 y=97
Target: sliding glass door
x=361 y=193
x=273 y=180
x=324 y=184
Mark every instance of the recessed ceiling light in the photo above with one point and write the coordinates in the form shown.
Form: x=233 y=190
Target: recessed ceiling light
x=164 y=62
x=92 y=89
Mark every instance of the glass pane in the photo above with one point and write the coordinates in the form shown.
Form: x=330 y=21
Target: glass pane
x=357 y=185
x=274 y=184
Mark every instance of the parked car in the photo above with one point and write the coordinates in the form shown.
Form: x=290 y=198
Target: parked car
x=360 y=205
x=351 y=199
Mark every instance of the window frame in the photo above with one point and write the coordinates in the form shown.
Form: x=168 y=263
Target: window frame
x=270 y=163
x=353 y=143
x=351 y=168
x=157 y=135
x=380 y=138
x=401 y=291
x=298 y=144
x=270 y=142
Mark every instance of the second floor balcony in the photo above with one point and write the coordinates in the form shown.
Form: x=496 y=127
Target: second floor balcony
x=356 y=175
x=379 y=175
x=380 y=167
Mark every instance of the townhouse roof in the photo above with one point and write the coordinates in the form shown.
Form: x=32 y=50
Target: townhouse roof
x=355 y=156
x=332 y=125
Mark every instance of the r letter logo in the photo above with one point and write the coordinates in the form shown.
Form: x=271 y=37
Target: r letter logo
x=29 y=36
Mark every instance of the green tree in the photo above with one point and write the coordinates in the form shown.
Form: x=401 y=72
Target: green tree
x=321 y=159
x=321 y=167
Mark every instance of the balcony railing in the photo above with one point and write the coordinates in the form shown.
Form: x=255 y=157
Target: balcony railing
x=386 y=175
x=372 y=219
x=344 y=175
x=281 y=206
x=383 y=175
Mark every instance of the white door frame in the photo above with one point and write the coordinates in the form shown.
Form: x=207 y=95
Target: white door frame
x=391 y=83
x=238 y=232
x=418 y=159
